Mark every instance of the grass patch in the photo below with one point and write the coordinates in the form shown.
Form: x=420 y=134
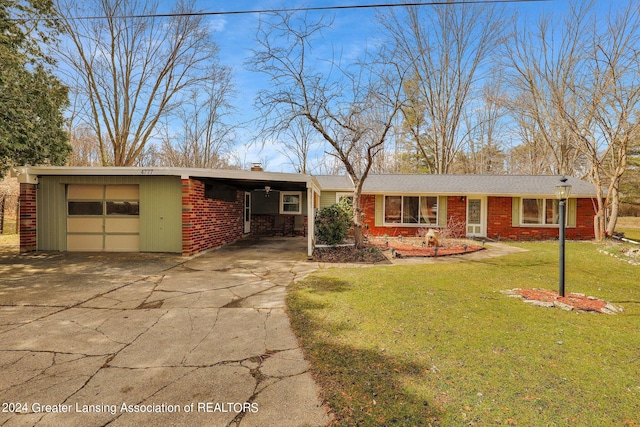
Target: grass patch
x=630 y=226
x=439 y=345
x=9 y=240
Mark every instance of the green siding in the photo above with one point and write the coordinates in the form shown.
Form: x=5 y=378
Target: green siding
x=160 y=210
x=572 y=212
x=263 y=204
x=379 y=210
x=327 y=198
x=515 y=211
x=161 y=214
x=442 y=211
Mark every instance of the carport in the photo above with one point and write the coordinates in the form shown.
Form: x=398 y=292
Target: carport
x=176 y=210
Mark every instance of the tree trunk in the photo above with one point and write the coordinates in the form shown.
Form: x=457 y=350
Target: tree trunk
x=1 y=214
x=598 y=225
x=358 y=233
x=613 y=218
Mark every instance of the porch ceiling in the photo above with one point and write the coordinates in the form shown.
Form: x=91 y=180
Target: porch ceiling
x=257 y=184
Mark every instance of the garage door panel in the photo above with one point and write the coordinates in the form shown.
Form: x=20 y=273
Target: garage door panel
x=103 y=218
x=85 y=242
x=122 y=192
x=122 y=225
x=85 y=192
x=122 y=243
x=84 y=225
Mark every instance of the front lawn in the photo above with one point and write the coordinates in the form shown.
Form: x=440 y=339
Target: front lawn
x=440 y=345
x=630 y=226
x=9 y=241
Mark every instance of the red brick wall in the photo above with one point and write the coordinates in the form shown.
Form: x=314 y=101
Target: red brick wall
x=264 y=225
x=208 y=223
x=456 y=216
x=368 y=205
x=27 y=217
x=499 y=224
x=498 y=221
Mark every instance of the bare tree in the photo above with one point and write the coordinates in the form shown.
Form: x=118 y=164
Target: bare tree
x=204 y=138
x=131 y=67
x=609 y=100
x=351 y=108
x=485 y=130
x=546 y=62
x=445 y=48
x=298 y=142
x=85 y=146
x=580 y=90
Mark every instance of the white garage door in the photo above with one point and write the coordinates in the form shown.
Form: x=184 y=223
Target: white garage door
x=103 y=218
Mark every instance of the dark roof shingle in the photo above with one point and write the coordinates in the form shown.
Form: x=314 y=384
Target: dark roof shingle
x=499 y=185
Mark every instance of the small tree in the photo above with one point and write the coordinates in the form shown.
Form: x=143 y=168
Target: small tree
x=333 y=222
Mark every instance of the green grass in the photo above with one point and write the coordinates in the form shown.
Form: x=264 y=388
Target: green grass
x=9 y=240
x=440 y=345
x=630 y=226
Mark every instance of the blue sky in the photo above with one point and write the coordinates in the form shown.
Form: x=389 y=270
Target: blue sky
x=235 y=34
x=352 y=31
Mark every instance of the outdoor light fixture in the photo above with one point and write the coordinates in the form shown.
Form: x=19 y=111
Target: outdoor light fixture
x=267 y=190
x=563 y=190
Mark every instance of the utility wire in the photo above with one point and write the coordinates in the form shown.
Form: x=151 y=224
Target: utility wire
x=293 y=9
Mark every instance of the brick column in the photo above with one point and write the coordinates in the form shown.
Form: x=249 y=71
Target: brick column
x=187 y=219
x=28 y=217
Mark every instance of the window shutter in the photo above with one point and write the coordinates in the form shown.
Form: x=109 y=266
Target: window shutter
x=515 y=211
x=378 y=215
x=442 y=211
x=572 y=212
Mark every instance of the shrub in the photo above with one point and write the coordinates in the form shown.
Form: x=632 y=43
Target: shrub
x=333 y=223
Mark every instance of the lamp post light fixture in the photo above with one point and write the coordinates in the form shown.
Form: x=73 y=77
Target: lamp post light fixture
x=563 y=190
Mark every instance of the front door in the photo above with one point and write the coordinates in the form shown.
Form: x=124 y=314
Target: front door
x=247 y=212
x=476 y=216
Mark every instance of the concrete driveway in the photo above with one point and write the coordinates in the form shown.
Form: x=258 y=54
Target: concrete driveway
x=154 y=339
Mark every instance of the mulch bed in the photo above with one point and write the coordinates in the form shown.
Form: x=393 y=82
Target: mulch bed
x=547 y=298
x=369 y=254
x=373 y=252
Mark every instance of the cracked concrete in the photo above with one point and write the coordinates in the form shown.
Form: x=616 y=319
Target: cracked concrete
x=177 y=341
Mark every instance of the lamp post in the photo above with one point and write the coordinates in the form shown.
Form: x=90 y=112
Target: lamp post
x=562 y=194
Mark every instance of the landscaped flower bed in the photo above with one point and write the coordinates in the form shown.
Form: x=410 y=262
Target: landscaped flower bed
x=547 y=298
x=416 y=247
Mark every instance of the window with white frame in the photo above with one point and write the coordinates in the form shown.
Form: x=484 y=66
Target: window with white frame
x=291 y=202
x=540 y=212
x=410 y=210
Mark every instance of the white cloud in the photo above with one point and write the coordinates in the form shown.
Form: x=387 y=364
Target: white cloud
x=217 y=24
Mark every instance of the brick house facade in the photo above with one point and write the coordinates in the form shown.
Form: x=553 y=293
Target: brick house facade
x=188 y=211
x=529 y=213
x=499 y=221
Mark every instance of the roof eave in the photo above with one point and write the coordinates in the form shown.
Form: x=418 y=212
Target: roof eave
x=25 y=173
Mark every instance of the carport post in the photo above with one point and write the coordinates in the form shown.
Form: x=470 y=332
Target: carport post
x=310 y=219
